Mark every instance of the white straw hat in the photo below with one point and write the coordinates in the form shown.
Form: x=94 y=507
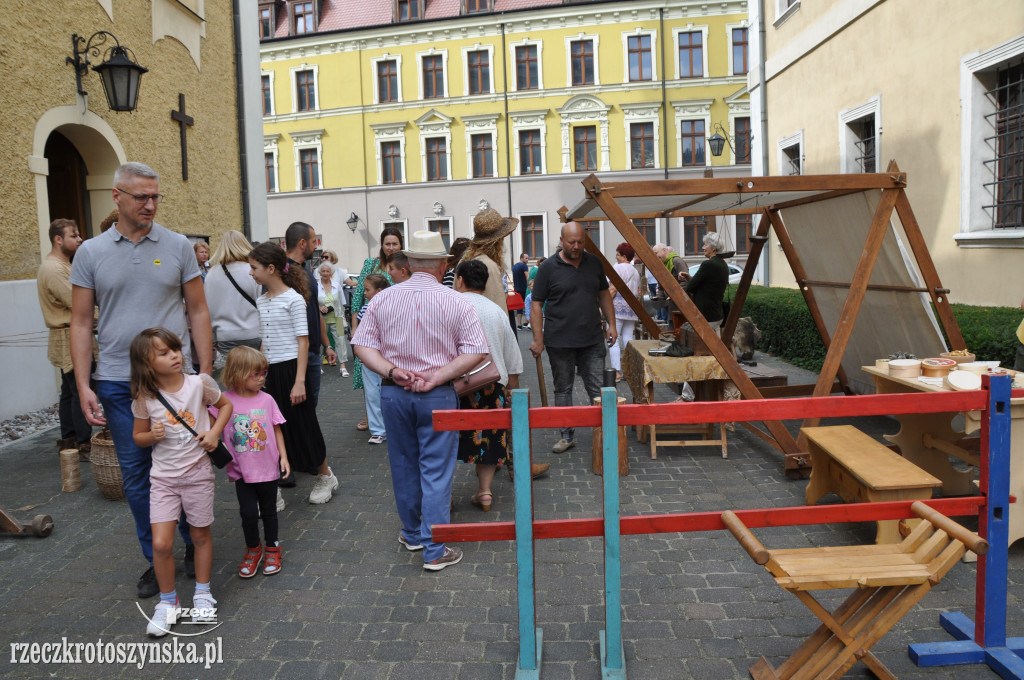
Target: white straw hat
x=426 y=244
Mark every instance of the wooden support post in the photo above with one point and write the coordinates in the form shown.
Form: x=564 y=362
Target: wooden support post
x=984 y=639
x=858 y=287
x=940 y=296
x=530 y=637
x=606 y=201
x=801 y=274
x=620 y=287
x=613 y=661
x=729 y=325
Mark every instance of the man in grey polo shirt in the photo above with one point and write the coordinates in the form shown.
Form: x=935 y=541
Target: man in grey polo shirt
x=569 y=294
x=137 y=272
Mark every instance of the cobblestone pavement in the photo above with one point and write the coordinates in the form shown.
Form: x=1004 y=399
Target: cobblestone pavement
x=351 y=603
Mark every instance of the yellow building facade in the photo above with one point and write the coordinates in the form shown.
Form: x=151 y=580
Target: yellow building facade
x=421 y=123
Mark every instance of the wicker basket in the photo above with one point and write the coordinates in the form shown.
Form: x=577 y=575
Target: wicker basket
x=105 y=469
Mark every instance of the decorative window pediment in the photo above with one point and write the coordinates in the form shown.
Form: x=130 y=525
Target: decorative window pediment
x=433 y=121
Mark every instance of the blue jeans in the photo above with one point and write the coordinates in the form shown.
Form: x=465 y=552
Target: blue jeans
x=371 y=393
x=422 y=462
x=565 y=361
x=135 y=462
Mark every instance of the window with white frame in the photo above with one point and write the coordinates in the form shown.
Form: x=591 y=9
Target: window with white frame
x=267 y=92
x=533 y=228
x=641 y=128
x=791 y=154
x=305 y=87
x=785 y=9
x=860 y=129
x=443 y=226
x=270 y=161
x=529 y=134
x=693 y=120
x=992 y=146
x=387 y=78
x=582 y=67
x=477 y=74
x=308 y=149
x=529 y=72
x=433 y=73
x=639 y=48
x=580 y=134
x=481 y=133
x=739 y=124
x=435 y=142
x=389 y=141
x=692 y=51
x=592 y=228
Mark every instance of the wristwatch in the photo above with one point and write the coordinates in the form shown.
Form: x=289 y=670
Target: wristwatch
x=391 y=372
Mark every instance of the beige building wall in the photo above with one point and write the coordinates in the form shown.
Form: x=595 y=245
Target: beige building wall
x=824 y=60
x=188 y=47
x=197 y=60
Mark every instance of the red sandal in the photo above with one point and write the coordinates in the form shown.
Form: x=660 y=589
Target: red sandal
x=251 y=562
x=273 y=563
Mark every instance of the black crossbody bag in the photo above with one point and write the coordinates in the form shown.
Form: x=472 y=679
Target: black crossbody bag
x=237 y=287
x=220 y=456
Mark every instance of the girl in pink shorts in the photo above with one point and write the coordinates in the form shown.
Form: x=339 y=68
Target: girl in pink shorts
x=182 y=476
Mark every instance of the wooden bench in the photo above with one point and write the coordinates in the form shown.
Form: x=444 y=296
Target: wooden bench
x=855 y=467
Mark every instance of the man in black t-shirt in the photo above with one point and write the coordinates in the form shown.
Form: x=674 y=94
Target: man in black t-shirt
x=572 y=291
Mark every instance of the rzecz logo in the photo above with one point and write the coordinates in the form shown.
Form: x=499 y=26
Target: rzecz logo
x=198 y=616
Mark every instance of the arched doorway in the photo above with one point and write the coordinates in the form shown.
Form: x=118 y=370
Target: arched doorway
x=74 y=156
x=65 y=183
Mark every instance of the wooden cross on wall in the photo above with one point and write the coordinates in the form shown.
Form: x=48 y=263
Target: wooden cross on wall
x=183 y=121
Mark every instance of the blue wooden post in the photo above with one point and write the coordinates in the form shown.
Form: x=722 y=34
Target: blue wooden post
x=990 y=645
x=613 y=663
x=530 y=637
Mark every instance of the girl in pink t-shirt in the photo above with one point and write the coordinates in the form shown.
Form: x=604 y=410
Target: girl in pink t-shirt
x=254 y=437
x=182 y=476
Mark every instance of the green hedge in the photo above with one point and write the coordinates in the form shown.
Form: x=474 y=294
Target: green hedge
x=787 y=330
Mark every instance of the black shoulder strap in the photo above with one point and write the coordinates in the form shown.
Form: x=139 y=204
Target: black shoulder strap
x=237 y=287
x=171 y=409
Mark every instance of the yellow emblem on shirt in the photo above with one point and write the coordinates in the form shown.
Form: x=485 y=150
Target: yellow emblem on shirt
x=156 y=262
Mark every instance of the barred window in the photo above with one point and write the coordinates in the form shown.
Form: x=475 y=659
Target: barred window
x=1008 y=143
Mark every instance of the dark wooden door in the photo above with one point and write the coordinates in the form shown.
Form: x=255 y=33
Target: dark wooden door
x=66 y=183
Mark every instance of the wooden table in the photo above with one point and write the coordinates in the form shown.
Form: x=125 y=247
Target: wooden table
x=707 y=377
x=928 y=440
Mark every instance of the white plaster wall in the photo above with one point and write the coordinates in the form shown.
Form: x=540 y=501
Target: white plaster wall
x=29 y=381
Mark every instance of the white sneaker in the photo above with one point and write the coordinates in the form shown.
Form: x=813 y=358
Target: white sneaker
x=322 y=489
x=207 y=606
x=158 y=626
x=280 y=500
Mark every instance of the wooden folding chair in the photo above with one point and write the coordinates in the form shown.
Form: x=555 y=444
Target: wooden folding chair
x=889 y=580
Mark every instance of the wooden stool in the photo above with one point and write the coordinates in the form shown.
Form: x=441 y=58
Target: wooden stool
x=889 y=580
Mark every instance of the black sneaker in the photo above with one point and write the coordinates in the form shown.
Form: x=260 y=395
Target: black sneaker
x=147 y=586
x=190 y=561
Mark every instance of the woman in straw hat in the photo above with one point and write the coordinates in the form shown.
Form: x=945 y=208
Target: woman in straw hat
x=488 y=246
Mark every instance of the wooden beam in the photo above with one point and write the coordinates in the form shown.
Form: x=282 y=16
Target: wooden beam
x=940 y=297
x=813 y=199
x=620 y=287
x=750 y=185
x=858 y=288
x=738 y=300
x=800 y=273
x=871 y=286
x=606 y=200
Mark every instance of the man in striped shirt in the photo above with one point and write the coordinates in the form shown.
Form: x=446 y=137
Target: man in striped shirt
x=418 y=336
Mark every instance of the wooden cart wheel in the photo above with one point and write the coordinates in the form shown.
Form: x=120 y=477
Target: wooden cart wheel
x=42 y=525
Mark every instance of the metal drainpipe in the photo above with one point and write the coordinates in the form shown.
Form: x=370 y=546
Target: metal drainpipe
x=243 y=157
x=664 y=95
x=763 y=95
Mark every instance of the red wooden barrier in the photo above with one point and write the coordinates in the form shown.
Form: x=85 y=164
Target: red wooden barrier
x=707 y=521
x=724 y=411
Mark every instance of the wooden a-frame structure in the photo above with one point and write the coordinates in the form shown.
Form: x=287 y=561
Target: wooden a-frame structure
x=768 y=197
